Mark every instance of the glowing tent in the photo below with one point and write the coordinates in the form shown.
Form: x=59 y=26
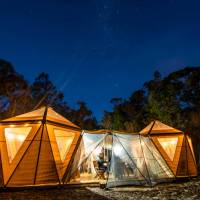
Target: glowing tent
x=174 y=146
x=35 y=148
x=130 y=159
x=43 y=148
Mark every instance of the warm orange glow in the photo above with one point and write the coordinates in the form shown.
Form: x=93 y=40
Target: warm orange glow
x=14 y=139
x=64 y=140
x=12 y=125
x=169 y=145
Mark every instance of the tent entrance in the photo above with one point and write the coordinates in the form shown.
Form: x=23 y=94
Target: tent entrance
x=117 y=159
x=92 y=160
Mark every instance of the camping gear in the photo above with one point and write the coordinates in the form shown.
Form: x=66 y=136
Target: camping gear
x=44 y=148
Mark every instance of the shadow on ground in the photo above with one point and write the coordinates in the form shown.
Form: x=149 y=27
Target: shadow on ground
x=51 y=194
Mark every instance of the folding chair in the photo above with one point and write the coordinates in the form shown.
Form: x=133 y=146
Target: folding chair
x=99 y=172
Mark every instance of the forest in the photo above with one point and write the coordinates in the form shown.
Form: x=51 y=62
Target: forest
x=173 y=99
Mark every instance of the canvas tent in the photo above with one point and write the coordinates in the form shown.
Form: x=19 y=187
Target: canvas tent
x=36 y=148
x=44 y=148
x=174 y=146
x=131 y=159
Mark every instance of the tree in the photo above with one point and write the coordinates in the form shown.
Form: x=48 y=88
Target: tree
x=14 y=91
x=44 y=92
x=107 y=120
x=17 y=96
x=174 y=100
x=83 y=116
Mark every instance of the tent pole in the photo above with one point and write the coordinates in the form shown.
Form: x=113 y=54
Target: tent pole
x=145 y=161
x=53 y=155
x=43 y=124
x=110 y=160
x=186 y=154
x=151 y=127
x=38 y=157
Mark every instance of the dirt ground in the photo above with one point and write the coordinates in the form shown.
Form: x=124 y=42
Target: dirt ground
x=51 y=194
x=181 y=191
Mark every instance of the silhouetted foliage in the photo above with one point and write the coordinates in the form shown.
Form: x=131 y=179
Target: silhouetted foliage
x=14 y=91
x=84 y=117
x=17 y=96
x=44 y=92
x=174 y=100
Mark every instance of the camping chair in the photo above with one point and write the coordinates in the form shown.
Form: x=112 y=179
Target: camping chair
x=128 y=170
x=99 y=172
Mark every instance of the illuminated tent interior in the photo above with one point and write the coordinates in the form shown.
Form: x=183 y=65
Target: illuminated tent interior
x=174 y=146
x=129 y=159
x=36 y=148
x=43 y=148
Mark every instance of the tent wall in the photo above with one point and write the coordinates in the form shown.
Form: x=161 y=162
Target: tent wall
x=172 y=163
x=36 y=159
x=62 y=165
x=187 y=164
x=24 y=173
x=191 y=157
x=8 y=166
x=134 y=160
x=142 y=160
x=183 y=163
x=46 y=172
x=1 y=173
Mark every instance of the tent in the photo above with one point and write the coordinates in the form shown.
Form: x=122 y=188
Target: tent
x=130 y=159
x=36 y=148
x=44 y=148
x=174 y=146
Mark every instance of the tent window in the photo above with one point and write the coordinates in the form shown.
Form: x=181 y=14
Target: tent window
x=14 y=139
x=64 y=140
x=169 y=145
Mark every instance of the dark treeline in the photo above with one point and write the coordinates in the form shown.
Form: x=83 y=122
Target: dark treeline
x=174 y=100
x=18 y=96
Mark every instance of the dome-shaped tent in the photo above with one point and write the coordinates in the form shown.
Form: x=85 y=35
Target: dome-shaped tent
x=175 y=147
x=36 y=148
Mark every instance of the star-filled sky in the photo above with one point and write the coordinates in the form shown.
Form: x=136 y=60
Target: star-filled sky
x=94 y=50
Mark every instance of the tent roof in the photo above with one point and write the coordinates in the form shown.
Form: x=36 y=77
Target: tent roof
x=157 y=127
x=39 y=115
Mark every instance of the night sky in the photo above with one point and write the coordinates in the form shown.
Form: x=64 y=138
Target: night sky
x=94 y=50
